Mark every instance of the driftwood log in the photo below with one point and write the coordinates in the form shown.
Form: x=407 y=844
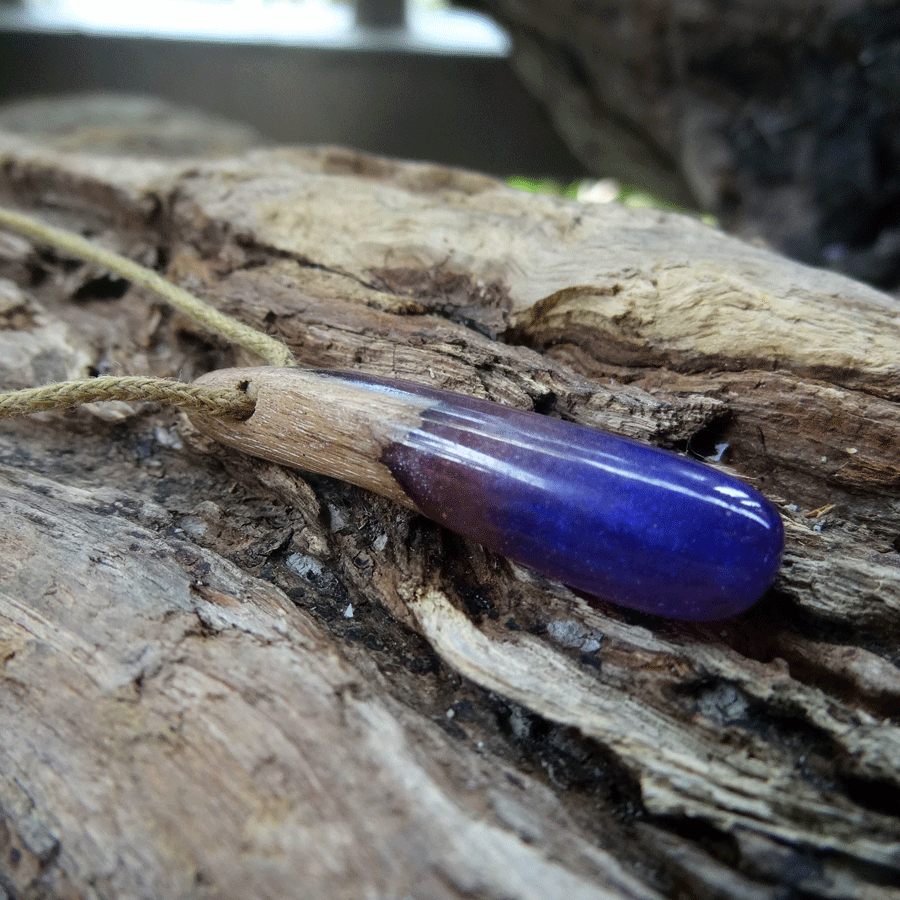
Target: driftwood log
x=224 y=678
x=781 y=118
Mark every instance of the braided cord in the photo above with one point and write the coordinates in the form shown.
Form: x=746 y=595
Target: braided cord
x=66 y=394
x=63 y=395
x=273 y=351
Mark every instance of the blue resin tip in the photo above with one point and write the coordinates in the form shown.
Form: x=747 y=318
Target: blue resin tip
x=629 y=523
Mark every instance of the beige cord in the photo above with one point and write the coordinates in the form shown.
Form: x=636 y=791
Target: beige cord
x=66 y=394
x=63 y=395
x=270 y=349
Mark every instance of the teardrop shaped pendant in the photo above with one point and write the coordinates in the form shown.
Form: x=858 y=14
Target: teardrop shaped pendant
x=626 y=522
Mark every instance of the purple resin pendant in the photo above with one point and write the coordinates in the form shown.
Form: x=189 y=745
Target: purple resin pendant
x=628 y=523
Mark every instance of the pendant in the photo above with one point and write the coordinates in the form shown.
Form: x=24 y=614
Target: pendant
x=629 y=523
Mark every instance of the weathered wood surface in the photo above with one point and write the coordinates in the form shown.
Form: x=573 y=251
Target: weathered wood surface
x=782 y=118
x=222 y=678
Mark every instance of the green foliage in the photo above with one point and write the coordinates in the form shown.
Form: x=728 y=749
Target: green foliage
x=545 y=186
x=627 y=195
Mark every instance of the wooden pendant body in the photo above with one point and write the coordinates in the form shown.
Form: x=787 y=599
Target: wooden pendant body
x=621 y=520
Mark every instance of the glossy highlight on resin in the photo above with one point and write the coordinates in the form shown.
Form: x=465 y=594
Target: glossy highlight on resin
x=629 y=523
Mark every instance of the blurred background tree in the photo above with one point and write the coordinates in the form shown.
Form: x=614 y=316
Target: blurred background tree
x=782 y=119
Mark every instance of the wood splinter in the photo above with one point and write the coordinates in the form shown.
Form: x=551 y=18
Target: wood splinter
x=630 y=523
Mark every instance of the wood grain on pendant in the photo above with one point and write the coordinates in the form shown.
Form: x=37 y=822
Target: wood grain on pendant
x=620 y=520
